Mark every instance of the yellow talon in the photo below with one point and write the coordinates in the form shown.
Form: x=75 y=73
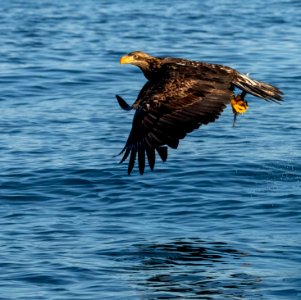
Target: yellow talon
x=239 y=106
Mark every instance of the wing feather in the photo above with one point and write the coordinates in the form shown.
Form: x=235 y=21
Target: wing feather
x=151 y=157
x=141 y=156
x=132 y=158
x=162 y=151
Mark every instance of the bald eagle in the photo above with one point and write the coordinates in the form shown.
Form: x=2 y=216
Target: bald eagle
x=179 y=96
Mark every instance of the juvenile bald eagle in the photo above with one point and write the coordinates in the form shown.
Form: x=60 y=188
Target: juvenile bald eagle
x=178 y=97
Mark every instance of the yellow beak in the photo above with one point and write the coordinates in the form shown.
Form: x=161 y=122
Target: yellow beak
x=126 y=59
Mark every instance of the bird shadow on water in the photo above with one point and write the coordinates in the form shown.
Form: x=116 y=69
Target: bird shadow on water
x=193 y=269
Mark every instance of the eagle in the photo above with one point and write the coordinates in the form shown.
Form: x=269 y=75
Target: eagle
x=179 y=96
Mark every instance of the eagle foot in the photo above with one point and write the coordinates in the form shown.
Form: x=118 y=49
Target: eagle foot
x=239 y=106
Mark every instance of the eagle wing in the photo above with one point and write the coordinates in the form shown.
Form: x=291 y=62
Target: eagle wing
x=180 y=100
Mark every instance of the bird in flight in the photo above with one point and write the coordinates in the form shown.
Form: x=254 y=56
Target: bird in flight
x=179 y=96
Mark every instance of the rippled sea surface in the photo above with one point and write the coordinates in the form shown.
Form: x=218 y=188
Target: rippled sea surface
x=221 y=219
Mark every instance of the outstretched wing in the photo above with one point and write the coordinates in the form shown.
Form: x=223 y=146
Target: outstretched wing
x=179 y=101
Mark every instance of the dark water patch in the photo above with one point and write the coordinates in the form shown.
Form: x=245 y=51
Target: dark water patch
x=182 y=269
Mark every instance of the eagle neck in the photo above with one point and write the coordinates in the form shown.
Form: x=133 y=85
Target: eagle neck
x=151 y=71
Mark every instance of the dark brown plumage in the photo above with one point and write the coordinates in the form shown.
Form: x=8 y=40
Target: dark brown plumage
x=179 y=96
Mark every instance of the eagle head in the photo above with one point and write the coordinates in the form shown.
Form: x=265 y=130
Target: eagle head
x=144 y=61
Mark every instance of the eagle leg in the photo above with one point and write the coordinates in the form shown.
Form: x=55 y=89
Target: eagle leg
x=239 y=105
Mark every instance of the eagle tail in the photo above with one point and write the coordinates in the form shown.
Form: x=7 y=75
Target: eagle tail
x=259 y=89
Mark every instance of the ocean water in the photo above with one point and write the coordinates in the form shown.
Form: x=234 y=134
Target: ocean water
x=221 y=219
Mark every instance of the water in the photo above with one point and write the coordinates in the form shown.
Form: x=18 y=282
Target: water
x=219 y=220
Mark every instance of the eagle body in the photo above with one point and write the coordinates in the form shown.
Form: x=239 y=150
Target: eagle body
x=179 y=96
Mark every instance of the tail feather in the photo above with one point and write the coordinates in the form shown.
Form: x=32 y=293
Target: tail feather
x=259 y=89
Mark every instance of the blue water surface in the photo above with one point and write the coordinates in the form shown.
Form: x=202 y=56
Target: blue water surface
x=220 y=219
